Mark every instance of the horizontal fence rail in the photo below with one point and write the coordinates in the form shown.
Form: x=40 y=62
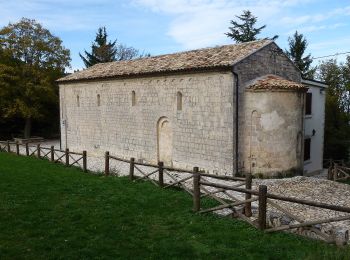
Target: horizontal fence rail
x=155 y=173
x=264 y=199
x=200 y=185
x=338 y=170
x=50 y=153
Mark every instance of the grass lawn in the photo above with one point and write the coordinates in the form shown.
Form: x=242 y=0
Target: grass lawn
x=49 y=211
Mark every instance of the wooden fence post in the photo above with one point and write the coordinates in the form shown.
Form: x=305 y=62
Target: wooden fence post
x=8 y=147
x=38 y=150
x=106 y=163
x=84 y=161
x=52 y=155
x=262 y=206
x=17 y=148
x=132 y=164
x=67 y=156
x=248 y=186
x=196 y=190
x=27 y=149
x=160 y=176
x=335 y=172
x=329 y=173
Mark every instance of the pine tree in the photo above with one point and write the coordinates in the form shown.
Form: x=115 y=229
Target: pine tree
x=101 y=50
x=297 y=48
x=104 y=51
x=245 y=31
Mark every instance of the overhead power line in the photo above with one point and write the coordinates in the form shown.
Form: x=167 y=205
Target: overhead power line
x=336 y=54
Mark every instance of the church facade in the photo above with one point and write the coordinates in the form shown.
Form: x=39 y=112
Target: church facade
x=224 y=109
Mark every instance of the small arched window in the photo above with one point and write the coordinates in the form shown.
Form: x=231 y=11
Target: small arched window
x=98 y=100
x=133 y=98
x=78 y=101
x=179 y=101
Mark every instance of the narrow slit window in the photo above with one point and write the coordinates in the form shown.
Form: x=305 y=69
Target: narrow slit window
x=98 y=100
x=133 y=98
x=78 y=101
x=179 y=101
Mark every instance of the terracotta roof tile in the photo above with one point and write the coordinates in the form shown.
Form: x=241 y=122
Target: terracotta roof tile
x=270 y=82
x=208 y=58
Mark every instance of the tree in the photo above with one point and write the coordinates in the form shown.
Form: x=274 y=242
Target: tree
x=107 y=51
x=101 y=50
x=337 y=116
x=37 y=60
x=245 y=31
x=8 y=78
x=297 y=48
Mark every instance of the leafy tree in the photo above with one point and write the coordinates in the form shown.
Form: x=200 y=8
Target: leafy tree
x=297 y=48
x=8 y=78
x=37 y=60
x=346 y=87
x=245 y=31
x=337 y=117
x=107 y=51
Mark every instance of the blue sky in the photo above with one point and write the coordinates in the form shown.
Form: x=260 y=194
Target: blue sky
x=161 y=26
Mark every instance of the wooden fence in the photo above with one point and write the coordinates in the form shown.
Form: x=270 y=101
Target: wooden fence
x=264 y=200
x=65 y=157
x=156 y=173
x=339 y=173
x=199 y=185
x=338 y=170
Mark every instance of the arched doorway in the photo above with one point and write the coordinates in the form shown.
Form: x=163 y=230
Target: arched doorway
x=165 y=141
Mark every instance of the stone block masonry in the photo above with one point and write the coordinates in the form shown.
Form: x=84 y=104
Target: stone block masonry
x=201 y=130
x=258 y=144
x=142 y=117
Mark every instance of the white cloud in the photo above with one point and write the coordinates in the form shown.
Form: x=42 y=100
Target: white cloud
x=200 y=23
x=193 y=23
x=339 y=44
x=330 y=47
x=63 y=15
x=315 y=28
x=315 y=18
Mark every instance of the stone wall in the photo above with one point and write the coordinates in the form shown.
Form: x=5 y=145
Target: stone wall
x=273 y=131
x=201 y=131
x=269 y=60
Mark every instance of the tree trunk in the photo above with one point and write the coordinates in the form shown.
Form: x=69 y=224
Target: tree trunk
x=27 y=128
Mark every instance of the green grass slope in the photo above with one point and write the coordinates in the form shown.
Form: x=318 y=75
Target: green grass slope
x=48 y=211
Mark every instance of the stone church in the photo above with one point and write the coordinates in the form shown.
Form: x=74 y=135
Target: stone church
x=224 y=109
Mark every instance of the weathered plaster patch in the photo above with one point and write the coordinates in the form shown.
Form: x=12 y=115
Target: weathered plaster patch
x=271 y=121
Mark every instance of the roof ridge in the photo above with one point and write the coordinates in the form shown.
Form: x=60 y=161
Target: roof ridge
x=203 y=58
x=194 y=50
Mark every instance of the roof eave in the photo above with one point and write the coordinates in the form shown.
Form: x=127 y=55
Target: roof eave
x=314 y=83
x=148 y=74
